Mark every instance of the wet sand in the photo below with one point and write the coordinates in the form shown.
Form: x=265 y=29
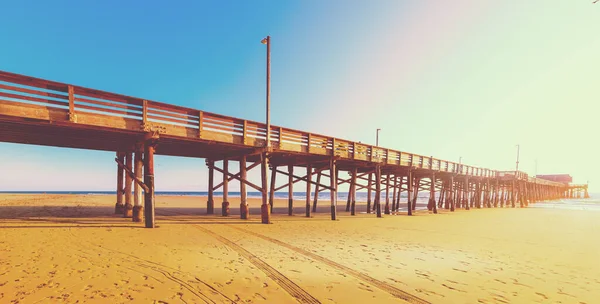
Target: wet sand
x=70 y=248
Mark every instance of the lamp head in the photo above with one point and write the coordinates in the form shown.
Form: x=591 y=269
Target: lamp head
x=265 y=40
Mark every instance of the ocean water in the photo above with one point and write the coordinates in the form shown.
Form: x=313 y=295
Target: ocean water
x=360 y=196
x=592 y=204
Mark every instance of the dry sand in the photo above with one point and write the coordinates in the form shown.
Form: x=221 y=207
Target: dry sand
x=69 y=248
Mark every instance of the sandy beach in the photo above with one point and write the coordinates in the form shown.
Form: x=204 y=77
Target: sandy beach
x=71 y=249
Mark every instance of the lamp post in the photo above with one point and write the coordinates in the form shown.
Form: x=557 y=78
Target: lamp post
x=377 y=138
x=267 y=41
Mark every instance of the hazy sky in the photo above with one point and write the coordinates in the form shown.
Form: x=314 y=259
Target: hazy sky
x=441 y=78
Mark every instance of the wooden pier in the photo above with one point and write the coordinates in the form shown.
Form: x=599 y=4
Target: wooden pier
x=42 y=112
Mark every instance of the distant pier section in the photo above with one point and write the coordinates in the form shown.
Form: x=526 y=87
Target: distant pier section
x=43 y=112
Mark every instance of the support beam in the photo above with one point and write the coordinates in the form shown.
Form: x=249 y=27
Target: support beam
x=225 y=203
x=353 y=192
x=410 y=187
x=149 y=181
x=119 y=206
x=265 y=210
x=210 y=203
x=387 y=194
x=128 y=210
x=333 y=183
x=138 y=209
x=369 y=187
x=314 y=207
x=416 y=189
x=432 y=203
x=244 y=211
x=272 y=187
x=301 y=178
x=290 y=190
x=452 y=191
x=466 y=194
x=378 y=190
x=308 y=185
x=395 y=188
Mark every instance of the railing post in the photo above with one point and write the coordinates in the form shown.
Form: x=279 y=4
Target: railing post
x=200 y=122
x=72 y=116
x=244 y=131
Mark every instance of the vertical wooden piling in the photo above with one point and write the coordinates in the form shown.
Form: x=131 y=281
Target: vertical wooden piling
x=210 y=203
x=447 y=195
x=409 y=183
x=308 y=185
x=512 y=194
x=290 y=189
x=369 y=185
x=502 y=196
x=496 y=193
x=432 y=202
x=333 y=185
x=349 y=196
x=452 y=192
x=119 y=206
x=378 y=190
x=149 y=181
x=138 y=209
x=244 y=211
x=353 y=192
x=225 y=204
x=387 y=194
x=416 y=190
x=128 y=210
x=466 y=194
x=316 y=199
x=400 y=182
x=265 y=209
x=272 y=187
x=394 y=188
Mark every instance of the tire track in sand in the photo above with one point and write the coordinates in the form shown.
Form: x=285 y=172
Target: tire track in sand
x=361 y=276
x=157 y=267
x=288 y=285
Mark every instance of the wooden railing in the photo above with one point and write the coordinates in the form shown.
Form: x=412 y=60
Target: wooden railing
x=89 y=106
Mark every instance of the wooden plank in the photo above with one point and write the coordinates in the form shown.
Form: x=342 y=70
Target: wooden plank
x=32 y=81
x=220 y=128
x=34 y=92
x=33 y=99
x=222 y=137
x=157 y=106
x=108 y=104
x=17 y=109
x=290 y=147
x=82 y=91
x=98 y=109
x=219 y=120
x=175 y=120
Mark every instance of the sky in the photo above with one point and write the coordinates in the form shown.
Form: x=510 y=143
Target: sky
x=466 y=79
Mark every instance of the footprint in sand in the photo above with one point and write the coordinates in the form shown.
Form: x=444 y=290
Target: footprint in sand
x=542 y=295
x=459 y=270
x=452 y=288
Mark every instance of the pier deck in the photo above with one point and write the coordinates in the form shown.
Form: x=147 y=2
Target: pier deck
x=42 y=112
